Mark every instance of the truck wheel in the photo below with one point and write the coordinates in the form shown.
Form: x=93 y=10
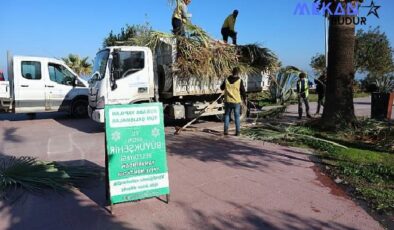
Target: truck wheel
x=80 y=109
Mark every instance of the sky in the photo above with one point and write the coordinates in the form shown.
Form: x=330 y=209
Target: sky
x=56 y=28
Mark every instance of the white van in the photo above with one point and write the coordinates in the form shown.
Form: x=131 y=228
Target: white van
x=40 y=84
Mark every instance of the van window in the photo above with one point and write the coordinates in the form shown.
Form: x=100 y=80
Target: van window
x=31 y=70
x=131 y=62
x=60 y=74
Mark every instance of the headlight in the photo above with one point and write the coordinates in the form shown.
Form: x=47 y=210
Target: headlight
x=101 y=103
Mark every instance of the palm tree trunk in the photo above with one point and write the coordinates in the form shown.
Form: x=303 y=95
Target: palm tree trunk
x=339 y=109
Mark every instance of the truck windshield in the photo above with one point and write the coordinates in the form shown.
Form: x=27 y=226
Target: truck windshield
x=100 y=64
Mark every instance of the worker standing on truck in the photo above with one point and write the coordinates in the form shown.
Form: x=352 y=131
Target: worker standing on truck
x=303 y=93
x=228 y=28
x=234 y=92
x=180 y=17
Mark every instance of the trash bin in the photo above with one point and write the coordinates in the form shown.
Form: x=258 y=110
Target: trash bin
x=382 y=105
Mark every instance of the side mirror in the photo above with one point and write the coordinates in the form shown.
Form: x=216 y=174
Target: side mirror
x=115 y=70
x=74 y=82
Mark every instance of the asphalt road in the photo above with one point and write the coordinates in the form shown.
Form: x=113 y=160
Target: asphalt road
x=362 y=108
x=216 y=182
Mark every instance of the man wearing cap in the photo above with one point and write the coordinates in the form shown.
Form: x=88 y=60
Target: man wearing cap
x=228 y=28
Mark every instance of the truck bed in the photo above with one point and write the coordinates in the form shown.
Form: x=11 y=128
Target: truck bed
x=174 y=86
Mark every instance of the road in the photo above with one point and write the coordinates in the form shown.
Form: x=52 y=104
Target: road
x=216 y=182
x=362 y=108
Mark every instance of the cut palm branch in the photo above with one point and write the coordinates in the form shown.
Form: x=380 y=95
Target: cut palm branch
x=268 y=132
x=35 y=176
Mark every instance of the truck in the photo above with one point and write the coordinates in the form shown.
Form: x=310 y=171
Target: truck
x=41 y=84
x=134 y=74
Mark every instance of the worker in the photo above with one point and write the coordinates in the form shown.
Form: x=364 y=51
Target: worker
x=180 y=17
x=228 y=28
x=234 y=93
x=321 y=91
x=303 y=93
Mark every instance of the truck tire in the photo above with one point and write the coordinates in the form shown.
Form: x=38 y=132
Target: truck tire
x=79 y=108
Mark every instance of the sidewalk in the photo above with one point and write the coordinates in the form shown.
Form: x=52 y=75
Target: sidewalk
x=216 y=183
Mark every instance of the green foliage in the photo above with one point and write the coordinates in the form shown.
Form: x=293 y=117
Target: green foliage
x=127 y=34
x=30 y=175
x=318 y=64
x=385 y=84
x=281 y=88
x=80 y=66
x=374 y=54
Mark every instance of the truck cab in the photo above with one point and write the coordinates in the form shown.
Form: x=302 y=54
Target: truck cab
x=131 y=74
x=39 y=84
x=121 y=75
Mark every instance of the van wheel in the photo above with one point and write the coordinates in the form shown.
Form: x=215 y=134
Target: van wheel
x=80 y=109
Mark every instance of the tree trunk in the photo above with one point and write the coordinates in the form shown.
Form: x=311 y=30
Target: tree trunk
x=339 y=109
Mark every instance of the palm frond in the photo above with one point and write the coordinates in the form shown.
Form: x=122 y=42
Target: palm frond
x=198 y=54
x=35 y=176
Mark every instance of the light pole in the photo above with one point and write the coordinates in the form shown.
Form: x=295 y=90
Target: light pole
x=326 y=39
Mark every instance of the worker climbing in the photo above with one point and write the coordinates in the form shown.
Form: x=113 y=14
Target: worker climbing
x=228 y=28
x=180 y=17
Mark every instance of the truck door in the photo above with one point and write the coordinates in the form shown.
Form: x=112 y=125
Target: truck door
x=133 y=79
x=59 y=87
x=29 y=87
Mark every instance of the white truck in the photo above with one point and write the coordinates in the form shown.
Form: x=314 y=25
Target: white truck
x=130 y=74
x=39 y=84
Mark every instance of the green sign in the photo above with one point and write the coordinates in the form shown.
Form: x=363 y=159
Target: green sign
x=136 y=148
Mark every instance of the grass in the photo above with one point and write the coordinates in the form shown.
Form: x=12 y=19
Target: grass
x=368 y=172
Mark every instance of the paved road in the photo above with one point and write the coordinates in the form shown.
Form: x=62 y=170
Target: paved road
x=216 y=183
x=362 y=107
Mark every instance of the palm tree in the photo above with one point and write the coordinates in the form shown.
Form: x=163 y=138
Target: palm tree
x=339 y=109
x=80 y=66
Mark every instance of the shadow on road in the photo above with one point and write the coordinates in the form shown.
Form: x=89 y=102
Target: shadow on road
x=38 y=116
x=68 y=210
x=253 y=218
x=226 y=150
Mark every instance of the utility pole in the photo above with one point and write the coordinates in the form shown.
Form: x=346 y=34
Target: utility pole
x=326 y=39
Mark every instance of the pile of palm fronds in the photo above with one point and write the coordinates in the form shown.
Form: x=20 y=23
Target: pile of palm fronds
x=200 y=55
x=31 y=175
x=282 y=84
x=290 y=133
